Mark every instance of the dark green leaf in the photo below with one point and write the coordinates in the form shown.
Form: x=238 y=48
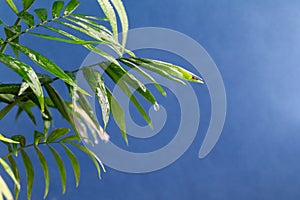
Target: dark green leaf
x=56 y=8
x=27 y=73
x=27 y=18
x=29 y=173
x=61 y=168
x=57 y=133
x=27 y=108
x=117 y=113
x=74 y=162
x=118 y=4
x=94 y=158
x=42 y=14
x=95 y=81
x=38 y=136
x=27 y=3
x=71 y=6
x=45 y=168
x=8 y=107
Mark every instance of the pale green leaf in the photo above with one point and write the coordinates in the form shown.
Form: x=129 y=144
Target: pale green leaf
x=5 y=139
x=9 y=172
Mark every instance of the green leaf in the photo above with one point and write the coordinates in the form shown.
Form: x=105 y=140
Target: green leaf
x=9 y=89
x=110 y=14
x=15 y=170
x=27 y=73
x=10 y=32
x=38 y=136
x=27 y=108
x=45 y=168
x=42 y=14
x=56 y=8
x=70 y=138
x=5 y=139
x=12 y=5
x=27 y=3
x=23 y=88
x=118 y=4
x=9 y=172
x=117 y=113
x=71 y=6
x=49 y=37
x=74 y=163
x=94 y=158
x=10 y=105
x=45 y=63
x=4 y=190
x=61 y=168
x=27 y=18
x=29 y=173
x=145 y=74
x=95 y=81
x=58 y=101
x=57 y=133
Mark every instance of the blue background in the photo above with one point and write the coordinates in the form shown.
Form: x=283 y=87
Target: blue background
x=255 y=45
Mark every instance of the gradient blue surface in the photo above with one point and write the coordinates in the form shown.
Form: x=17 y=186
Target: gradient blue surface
x=255 y=45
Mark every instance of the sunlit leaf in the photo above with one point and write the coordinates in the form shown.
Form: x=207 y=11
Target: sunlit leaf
x=4 y=190
x=118 y=4
x=29 y=173
x=27 y=73
x=5 y=139
x=61 y=168
x=110 y=14
x=95 y=81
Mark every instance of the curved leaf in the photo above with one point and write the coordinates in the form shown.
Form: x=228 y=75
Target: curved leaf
x=5 y=139
x=29 y=172
x=95 y=81
x=44 y=63
x=4 y=190
x=27 y=73
x=15 y=170
x=110 y=14
x=61 y=168
x=74 y=163
x=118 y=4
x=9 y=172
x=57 y=133
x=56 y=8
x=45 y=168
x=94 y=158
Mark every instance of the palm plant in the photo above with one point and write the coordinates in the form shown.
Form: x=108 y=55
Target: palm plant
x=31 y=91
